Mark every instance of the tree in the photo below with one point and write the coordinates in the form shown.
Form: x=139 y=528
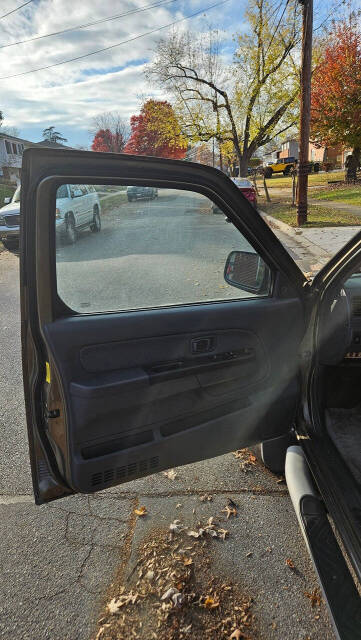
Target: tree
x=52 y=135
x=248 y=103
x=105 y=140
x=336 y=89
x=156 y=132
x=115 y=130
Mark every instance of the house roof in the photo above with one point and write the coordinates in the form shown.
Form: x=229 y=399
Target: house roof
x=52 y=145
x=7 y=136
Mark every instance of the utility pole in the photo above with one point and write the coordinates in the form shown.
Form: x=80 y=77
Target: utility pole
x=305 y=110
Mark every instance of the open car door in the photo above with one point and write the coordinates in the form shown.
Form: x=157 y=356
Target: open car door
x=154 y=334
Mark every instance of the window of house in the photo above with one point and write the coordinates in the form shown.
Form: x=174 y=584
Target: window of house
x=14 y=148
x=8 y=146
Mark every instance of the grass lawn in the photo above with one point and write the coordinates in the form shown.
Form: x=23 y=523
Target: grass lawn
x=279 y=181
x=347 y=194
x=108 y=203
x=318 y=216
x=6 y=191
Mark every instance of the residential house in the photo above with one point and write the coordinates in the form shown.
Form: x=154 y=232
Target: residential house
x=336 y=156
x=11 y=151
x=289 y=149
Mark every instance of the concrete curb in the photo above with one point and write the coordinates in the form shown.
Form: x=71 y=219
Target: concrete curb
x=296 y=233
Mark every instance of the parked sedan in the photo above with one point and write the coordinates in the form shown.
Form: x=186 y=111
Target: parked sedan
x=141 y=193
x=77 y=207
x=247 y=189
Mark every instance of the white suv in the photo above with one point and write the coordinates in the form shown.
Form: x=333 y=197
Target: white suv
x=77 y=206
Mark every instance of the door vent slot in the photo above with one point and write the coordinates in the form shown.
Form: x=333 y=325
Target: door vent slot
x=108 y=475
x=356 y=306
x=132 y=467
x=154 y=462
x=120 y=473
x=97 y=478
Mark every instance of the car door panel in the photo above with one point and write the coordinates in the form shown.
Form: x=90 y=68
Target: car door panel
x=132 y=399
x=115 y=396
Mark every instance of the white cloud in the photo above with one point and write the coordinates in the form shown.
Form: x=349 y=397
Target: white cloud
x=71 y=94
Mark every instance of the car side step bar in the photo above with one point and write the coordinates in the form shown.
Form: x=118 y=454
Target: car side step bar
x=338 y=587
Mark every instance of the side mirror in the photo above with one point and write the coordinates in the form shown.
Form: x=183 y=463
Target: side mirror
x=77 y=193
x=247 y=271
x=7 y=200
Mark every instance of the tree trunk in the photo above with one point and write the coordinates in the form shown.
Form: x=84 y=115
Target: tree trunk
x=243 y=163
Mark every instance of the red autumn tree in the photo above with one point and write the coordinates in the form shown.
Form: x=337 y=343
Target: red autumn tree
x=105 y=140
x=336 y=89
x=156 y=132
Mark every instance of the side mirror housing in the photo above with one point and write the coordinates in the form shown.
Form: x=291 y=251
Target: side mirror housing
x=247 y=271
x=7 y=200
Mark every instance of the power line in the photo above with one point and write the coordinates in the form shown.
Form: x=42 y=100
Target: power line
x=17 y=9
x=113 y=46
x=89 y=24
x=329 y=15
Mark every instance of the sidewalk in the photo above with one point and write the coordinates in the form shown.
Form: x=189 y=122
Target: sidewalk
x=318 y=244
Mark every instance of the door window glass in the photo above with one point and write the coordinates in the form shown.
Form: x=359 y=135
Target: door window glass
x=146 y=247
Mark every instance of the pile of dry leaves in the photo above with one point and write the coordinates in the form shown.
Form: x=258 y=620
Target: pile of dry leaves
x=171 y=593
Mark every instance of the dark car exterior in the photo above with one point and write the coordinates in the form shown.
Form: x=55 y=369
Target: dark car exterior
x=141 y=193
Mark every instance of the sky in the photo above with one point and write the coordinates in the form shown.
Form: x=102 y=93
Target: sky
x=68 y=96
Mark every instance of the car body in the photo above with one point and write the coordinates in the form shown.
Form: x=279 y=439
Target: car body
x=78 y=206
x=246 y=188
x=141 y=193
x=112 y=396
x=284 y=165
x=10 y=220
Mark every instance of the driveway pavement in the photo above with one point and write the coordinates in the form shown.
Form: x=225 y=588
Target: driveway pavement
x=59 y=561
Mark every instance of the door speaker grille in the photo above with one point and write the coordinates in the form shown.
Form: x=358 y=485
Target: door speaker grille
x=109 y=476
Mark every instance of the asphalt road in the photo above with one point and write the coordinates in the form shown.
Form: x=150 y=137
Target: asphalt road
x=149 y=253
x=57 y=561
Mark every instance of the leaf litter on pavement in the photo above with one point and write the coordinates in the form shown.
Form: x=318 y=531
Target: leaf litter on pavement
x=173 y=594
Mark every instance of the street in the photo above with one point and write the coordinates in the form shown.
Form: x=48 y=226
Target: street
x=149 y=253
x=59 y=560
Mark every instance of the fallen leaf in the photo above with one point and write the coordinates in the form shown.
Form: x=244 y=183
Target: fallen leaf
x=210 y=603
x=222 y=534
x=176 y=526
x=230 y=511
x=113 y=606
x=290 y=563
x=249 y=554
x=186 y=629
x=315 y=597
x=171 y=474
x=187 y=561
x=206 y=498
x=141 y=511
x=169 y=593
x=196 y=534
x=236 y=635
x=149 y=575
x=177 y=599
